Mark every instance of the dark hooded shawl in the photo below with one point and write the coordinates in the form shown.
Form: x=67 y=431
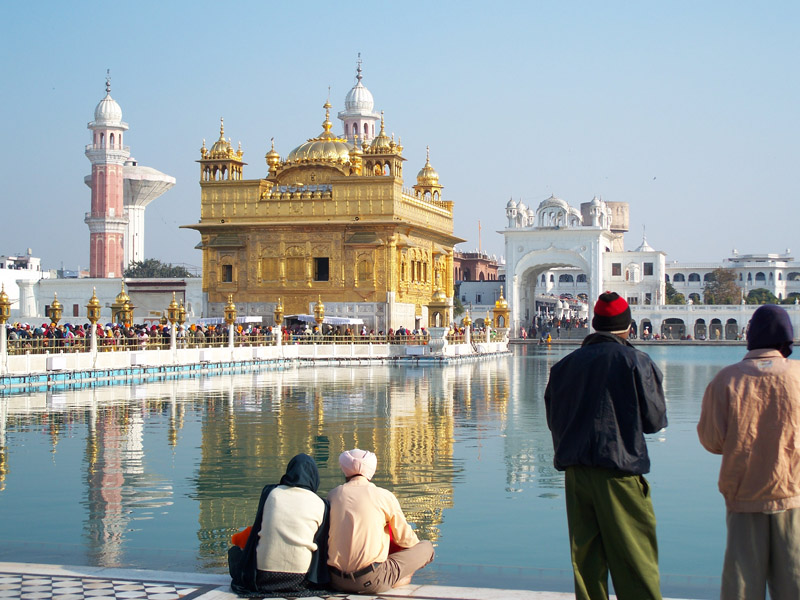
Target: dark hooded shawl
x=300 y=472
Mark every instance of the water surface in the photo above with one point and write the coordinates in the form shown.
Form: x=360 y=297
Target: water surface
x=159 y=475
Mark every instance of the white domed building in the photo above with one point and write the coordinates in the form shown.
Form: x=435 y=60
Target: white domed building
x=559 y=258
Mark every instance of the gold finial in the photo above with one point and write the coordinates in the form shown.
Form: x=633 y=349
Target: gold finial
x=222 y=129
x=326 y=125
x=427 y=155
x=382 y=130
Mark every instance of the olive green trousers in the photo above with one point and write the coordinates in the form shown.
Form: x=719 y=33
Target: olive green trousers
x=611 y=527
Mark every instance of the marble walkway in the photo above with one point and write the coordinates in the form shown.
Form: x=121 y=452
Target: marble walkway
x=27 y=581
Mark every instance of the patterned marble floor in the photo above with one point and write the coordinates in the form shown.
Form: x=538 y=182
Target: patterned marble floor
x=67 y=587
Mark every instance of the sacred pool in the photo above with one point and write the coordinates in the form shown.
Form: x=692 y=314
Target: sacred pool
x=159 y=475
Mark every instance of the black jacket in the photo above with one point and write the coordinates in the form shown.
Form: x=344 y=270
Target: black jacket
x=600 y=401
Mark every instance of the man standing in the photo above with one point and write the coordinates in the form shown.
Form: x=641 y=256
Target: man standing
x=601 y=399
x=363 y=517
x=751 y=416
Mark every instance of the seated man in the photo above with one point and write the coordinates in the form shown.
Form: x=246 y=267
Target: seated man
x=363 y=517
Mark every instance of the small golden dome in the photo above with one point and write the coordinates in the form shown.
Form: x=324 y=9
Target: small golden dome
x=122 y=297
x=439 y=297
x=382 y=142
x=327 y=147
x=501 y=302
x=273 y=158
x=428 y=175
x=221 y=148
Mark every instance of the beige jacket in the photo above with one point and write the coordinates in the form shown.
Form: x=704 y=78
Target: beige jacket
x=751 y=416
x=361 y=516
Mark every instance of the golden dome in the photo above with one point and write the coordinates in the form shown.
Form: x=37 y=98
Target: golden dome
x=122 y=297
x=221 y=148
x=501 y=302
x=428 y=175
x=273 y=158
x=439 y=297
x=382 y=142
x=327 y=147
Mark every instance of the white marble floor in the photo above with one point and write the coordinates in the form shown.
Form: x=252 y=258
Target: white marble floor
x=26 y=581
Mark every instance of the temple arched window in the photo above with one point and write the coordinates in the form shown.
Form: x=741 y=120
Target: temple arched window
x=760 y=276
x=694 y=277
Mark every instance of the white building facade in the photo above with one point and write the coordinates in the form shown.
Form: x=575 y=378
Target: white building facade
x=558 y=251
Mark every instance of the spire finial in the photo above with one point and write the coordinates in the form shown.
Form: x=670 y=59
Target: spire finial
x=108 y=81
x=358 y=69
x=222 y=129
x=428 y=154
x=272 y=140
x=382 y=131
x=326 y=125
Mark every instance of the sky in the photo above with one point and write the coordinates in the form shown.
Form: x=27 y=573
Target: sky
x=688 y=111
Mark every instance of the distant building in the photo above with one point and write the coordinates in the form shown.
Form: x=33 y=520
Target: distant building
x=777 y=273
x=475 y=266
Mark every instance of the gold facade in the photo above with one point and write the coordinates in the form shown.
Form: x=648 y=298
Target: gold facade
x=333 y=221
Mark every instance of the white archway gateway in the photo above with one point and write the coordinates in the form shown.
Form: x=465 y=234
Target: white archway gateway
x=530 y=254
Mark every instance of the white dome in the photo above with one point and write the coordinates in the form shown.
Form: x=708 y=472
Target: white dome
x=108 y=112
x=511 y=204
x=553 y=201
x=359 y=99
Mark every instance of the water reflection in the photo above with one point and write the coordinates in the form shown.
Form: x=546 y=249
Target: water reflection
x=159 y=475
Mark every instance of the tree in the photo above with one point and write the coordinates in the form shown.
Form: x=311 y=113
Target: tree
x=673 y=296
x=151 y=267
x=761 y=296
x=721 y=288
x=458 y=308
x=791 y=298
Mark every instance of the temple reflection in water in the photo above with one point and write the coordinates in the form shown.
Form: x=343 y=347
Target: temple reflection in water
x=143 y=469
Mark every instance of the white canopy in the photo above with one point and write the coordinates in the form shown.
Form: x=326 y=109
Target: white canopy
x=327 y=319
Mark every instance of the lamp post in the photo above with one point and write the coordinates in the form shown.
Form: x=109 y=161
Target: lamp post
x=181 y=321
x=467 y=322
x=279 y=323
x=488 y=324
x=5 y=309
x=56 y=310
x=230 y=319
x=319 y=312
x=173 y=312
x=93 y=314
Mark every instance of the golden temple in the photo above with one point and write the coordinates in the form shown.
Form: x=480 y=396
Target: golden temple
x=331 y=221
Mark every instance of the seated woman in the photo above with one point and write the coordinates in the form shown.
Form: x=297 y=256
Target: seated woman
x=286 y=550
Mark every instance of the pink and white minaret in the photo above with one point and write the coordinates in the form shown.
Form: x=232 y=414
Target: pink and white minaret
x=107 y=220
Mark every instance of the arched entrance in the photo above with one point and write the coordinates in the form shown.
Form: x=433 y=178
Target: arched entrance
x=700 y=329
x=731 y=330
x=529 y=299
x=673 y=329
x=716 y=329
x=647 y=329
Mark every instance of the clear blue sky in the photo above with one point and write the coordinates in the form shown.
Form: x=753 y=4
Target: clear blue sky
x=686 y=110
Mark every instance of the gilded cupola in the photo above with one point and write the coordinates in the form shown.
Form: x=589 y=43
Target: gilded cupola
x=428 y=175
x=327 y=147
x=382 y=144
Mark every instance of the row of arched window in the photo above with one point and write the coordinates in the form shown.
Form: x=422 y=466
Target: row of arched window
x=364 y=133
x=114 y=142
x=760 y=277
x=565 y=278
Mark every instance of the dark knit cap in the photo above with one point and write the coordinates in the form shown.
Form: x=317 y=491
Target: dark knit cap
x=770 y=327
x=611 y=313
